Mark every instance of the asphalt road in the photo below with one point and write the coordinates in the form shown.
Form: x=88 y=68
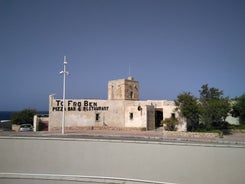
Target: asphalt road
x=155 y=161
x=28 y=181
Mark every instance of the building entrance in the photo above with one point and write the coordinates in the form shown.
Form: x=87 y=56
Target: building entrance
x=158 y=117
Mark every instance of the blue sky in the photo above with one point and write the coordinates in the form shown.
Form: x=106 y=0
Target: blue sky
x=170 y=46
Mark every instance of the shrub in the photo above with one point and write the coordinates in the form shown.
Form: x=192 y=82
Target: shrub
x=23 y=117
x=170 y=124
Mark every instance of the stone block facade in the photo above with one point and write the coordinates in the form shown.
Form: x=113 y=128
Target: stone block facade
x=123 y=109
x=123 y=89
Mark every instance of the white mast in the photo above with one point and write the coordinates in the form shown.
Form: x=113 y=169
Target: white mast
x=64 y=72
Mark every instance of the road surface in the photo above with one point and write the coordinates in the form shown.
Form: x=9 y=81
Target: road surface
x=182 y=163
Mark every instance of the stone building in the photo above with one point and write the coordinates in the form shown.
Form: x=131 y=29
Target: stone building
x=123 y=109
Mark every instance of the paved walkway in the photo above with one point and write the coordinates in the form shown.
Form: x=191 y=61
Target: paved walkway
x=235 y=138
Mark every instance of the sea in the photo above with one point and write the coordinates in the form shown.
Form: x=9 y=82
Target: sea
x=6 y=115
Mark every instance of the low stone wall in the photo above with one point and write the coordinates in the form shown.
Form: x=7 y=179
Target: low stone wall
x=15 y=127
x=237 y=131
x=192 y=134
x=99 y=128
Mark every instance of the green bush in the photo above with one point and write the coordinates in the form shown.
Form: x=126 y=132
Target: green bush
x=170 y=124
x=238 y=127
x=42 y=126
x=23 y=117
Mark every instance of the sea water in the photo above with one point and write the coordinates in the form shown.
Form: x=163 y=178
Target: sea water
x=6 y=115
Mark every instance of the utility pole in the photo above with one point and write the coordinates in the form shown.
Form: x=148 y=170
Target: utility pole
x=64 y=72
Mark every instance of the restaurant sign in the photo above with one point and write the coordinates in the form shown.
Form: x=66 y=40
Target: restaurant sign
x=75 y=105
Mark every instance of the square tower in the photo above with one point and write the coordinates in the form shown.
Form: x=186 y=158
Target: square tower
x=123 y=89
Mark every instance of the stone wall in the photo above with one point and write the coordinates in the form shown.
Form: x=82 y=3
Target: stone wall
x=123 y=89
x=86 y=112
x=150 y=117
x=100 y=128
x=112 y=113
x=135 y=116
x=191 y=134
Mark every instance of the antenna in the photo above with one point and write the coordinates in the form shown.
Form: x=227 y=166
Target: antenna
x=129 y=70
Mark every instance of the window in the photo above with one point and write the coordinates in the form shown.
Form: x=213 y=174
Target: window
x=131 y=95
x=173 y=115
x=131 y=116
x=97 y=116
